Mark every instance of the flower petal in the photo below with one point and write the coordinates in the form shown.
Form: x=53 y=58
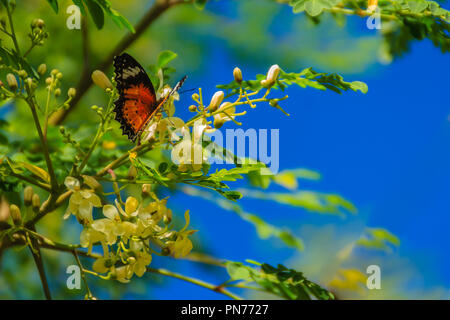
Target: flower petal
x=72 y=183
x=110 y=212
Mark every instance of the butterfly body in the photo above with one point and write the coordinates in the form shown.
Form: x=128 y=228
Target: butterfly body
x=137 y=103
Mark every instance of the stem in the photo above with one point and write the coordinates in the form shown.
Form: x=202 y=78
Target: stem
x=48 y=161
x=32 y=181
x=91 y=148
x=83 y=275
x=105 y=121
x=13 y=34
x=200 y=283
x=47 y=103
x=118 y=162
x=205 y=259
x=37 y=257
x=29 y=50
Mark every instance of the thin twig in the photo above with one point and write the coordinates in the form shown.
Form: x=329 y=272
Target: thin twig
x=200 y=283
x=13 y=34
x=32 y=181
x=36 y=252
x=48 y=161
x=83 y=275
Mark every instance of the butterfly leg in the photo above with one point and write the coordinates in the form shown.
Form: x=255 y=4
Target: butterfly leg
x=139 y=140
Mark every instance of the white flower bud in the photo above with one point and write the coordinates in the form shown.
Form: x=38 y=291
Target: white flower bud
x=216 y=100
x=15 y=214
x=272 y=76
x=12 y=81
x=42 y=69
x=36 y=202
x=72 y=92
x=237 y=73
x=28 y=195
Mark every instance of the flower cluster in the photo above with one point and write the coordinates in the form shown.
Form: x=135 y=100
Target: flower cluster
x=129 y=232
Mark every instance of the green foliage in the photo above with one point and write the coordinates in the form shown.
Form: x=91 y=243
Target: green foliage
x=281 y=281
x=378 y=238
x=323 y=203
x=306 y=78
x=264 y=229
x=312 y=7
x=97 y=10
x=402 y=21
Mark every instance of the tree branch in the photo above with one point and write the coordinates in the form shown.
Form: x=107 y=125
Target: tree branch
x=37 y=256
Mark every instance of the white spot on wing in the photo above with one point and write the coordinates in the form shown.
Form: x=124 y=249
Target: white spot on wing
x=130 y=72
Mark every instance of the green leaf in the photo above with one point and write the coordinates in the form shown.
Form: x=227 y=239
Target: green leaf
x=231 y=195
x=200 y=4
x=417 y=6
x=54 y=5
x=264 y=229
x=358 y=85
x=118 y=19
x=41 y=173
x=96 y=12
x=299 y=7
x=237 y=271
x=165 y=57
x=280 y=281
x=235 y=173
x=11 y=58
x=314 y=7
x=378 y=238
x=15 y=168
x=325 y=203
x=121 y=20
x=163 y=166
x=80 y=5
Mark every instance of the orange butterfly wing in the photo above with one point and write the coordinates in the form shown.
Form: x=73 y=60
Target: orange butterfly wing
x=137 y=100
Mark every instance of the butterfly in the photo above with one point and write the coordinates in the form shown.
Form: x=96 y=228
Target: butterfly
x=137 y=103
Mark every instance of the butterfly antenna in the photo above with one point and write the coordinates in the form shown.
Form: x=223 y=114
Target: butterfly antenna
x=187 y=90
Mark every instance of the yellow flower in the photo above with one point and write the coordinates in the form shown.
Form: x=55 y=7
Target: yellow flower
x=181 y=247
x=81 y=201
x=89 y=236
x=121 y=274
x=109 y=145
x=140 y=258
x=131 y=206
x=189 y=152
x=112 y=226
x=226 y=113
x=103 y=265
x=167 y=128
x=133 y=155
